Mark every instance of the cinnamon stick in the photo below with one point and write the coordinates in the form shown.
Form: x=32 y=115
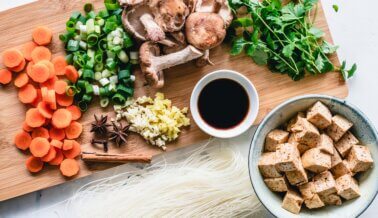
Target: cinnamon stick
x=114 y=158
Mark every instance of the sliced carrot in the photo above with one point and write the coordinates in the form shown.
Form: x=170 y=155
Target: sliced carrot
x=20 y=67
x=74 y=130
x=50 y=155
x=29 y=68
x=34 y=164
x=26 y=128
x=51 y=99
x=41 y=53
x=42 y=35
x=21 y=80
x=22 y=140
x=49 y=84
x=44 y=92
x=64 y=100
x=68 y=144
x=58 y=158
x=5 y=76
x=61 y=118
x=74 y=151
x=27 y=94
x=39 y=73
x=27 y=49
x=40 y=132
x=44 y=109
x=57 y=134
x=60 y=64
x=37 y=99
x=71 y=73
x=12 y=58
x=34 y=118
x=56 y=143
x=60 y=87
x=50 y=66
x=75 y=112
x=69 y=167
x=39 y=147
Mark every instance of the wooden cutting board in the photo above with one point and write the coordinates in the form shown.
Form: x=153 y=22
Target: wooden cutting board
x=16 y=26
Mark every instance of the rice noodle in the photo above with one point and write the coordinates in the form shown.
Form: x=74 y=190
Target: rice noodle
x=212 y=182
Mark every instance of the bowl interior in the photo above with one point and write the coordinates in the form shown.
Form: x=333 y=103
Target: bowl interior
x=363 y=129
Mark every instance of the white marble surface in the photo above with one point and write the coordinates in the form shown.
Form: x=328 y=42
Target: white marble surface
x=354 y=28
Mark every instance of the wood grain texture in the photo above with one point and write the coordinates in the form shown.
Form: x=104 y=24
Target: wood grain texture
x=16 y=26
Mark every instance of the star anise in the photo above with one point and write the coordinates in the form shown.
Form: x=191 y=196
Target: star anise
x=119 y=134
x=100 y=126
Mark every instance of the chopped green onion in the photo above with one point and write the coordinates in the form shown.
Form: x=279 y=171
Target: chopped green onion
x=127 y=41
x=75 y=15
x=104 y=102
x=109 y=26
x=72 y=45
x=103 y=13
x=69 y=58
x=92 y=39
x=96 y=90
x=111 y=5
x=88 y=7
x=98 y=57
x=87 y=98
x=81 y=84
x=104 y=91
x=90 y=26
x=97 y=76
x=104 y=81
x=124 y=74
x=113 y=79
x=83 y=45
x=70 y=26
x=88 y=89
x=106 y=73
x=91 y=14
x=116 y=49
x=65 y=37
x=125 y=91
x=118 y=99
x=82 y=19
x=88 y=75
x=99 y=67
x=83 y=105
x=71 y=90
x=123 y=57
x=110 y=64
x=134 y=59
x=97 y=29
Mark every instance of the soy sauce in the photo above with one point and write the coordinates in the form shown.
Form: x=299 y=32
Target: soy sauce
x=223 y=103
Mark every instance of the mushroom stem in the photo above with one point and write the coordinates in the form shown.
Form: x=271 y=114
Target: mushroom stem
x=187 y=54
x=204 y=59
x=154 y=32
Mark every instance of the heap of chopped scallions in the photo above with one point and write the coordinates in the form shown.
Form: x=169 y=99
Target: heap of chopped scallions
x=99 y=48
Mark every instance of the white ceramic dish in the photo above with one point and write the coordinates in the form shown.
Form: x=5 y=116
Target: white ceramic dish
x=253 y=104
x=363 y=129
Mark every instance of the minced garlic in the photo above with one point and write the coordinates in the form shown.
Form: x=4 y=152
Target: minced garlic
x=156 y=120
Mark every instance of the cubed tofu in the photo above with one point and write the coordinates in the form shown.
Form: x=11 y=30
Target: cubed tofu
x=314 y=202
x=277 y=184
x=297 y=177
x=274 y=138
x=267 y=165
x=301 y=147
x=331 y=199
x=316 y=161
x=309 y=135
x=296 y=124
x=340 y=125
x=324 y=183
x=325 y=144
x=359 y=159
x=292 y=202
x=288 y=157
x=341 y=169
x=345 y=143
x=307 y=190
x=335 y=158
x=319 y=115
x=347 y=187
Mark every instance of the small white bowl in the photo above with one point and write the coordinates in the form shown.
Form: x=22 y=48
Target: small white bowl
x=253 y=104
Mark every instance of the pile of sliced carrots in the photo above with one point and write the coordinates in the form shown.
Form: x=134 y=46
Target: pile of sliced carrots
x=50 y=126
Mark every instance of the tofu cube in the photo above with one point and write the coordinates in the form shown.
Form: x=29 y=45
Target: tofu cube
x=267 y=165
x=359 y=159
x=335 y=158
x=319 y=115
x=277 y=184
x=297 y=177
x=326 y=144
x=292 y=202
x=316 y=161
x=341 y=169
x=307 y=190
x=331 y=199
x=309 y=135
x=345 y=143
x=296 y=124
x=324 y=183
x=340 y=125
x=301 y=147
x=274 y=138
x=288 y=158
x=314 y=202
x=347 y=187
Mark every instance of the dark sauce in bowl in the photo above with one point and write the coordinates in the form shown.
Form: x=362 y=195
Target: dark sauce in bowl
x=223 y=103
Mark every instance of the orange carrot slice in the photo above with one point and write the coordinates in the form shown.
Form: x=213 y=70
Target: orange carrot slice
x=75 y=112
x=39 y=73
x=71 y=73
x=57 y=134
x=45 y=110
x=40 y=132
x=74 y=151
x=34 y=118
x=51 y=99
x=60 y=87
x=5 y=76
x=58 y=158
x=27 y=94
x=27 y=49
x=37 y=99
x=41 y=53
x=20 y=67
x=60 y=64
x=29 y=68
x=61 y=118
x=12 y=58
x=26 y=128
x=69 y=167
x=67 y=144
x=39 y=147
x=50 y=66
x=74 y=130
x=42 y=35
x=56 y=143
x=34 y=164
x=64 y=100
x=22 y=140
x=21 y=80
x=50 y=155
x=49 y=84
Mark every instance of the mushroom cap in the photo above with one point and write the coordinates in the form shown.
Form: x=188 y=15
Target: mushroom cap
x=132 y=23
x=205 y=30
x=220 y=7
x=179 y=42
x=170 y=15
x=147 y=52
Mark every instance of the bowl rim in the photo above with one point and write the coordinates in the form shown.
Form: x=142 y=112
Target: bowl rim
x=294 y=99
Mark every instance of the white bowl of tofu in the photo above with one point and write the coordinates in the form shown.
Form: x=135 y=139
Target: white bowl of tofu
x=315 y=156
